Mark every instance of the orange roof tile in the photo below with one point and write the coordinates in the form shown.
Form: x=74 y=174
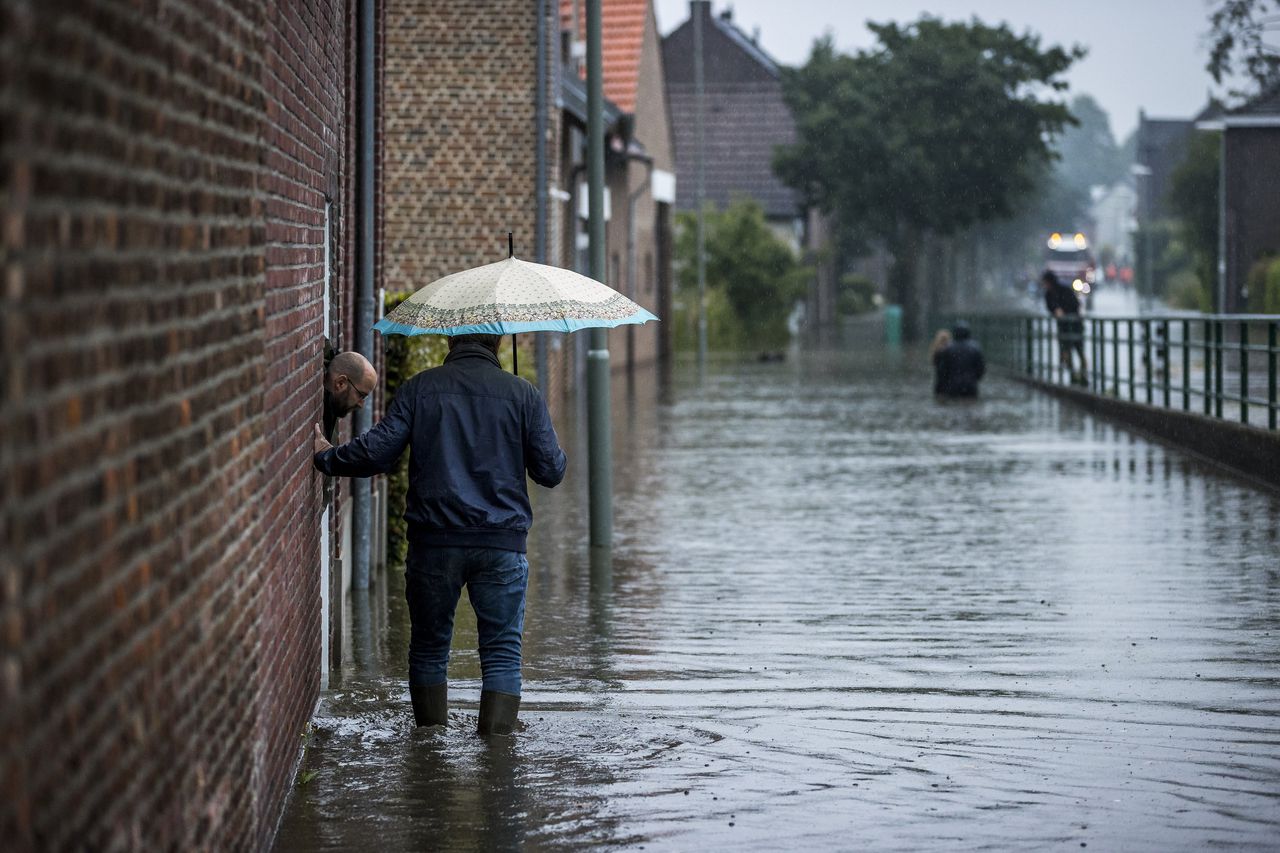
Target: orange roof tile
x=622 y=25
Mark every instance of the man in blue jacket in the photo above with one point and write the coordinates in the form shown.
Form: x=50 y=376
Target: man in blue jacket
x=474 y=431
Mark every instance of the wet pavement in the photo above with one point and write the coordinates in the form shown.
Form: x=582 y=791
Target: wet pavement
x=841 y=615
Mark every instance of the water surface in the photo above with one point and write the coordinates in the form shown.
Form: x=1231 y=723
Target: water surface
x=842 y=615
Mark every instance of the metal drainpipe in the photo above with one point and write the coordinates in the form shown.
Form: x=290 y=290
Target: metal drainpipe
x=361 y=519
x=632 y=199
x=540 y=215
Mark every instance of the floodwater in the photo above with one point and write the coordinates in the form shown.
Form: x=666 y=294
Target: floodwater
x=841 y=615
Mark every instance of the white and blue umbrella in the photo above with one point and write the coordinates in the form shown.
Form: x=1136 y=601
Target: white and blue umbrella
x=510 y=297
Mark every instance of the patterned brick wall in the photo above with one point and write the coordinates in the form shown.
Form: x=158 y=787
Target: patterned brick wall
x=459 y=136
x=165 y=166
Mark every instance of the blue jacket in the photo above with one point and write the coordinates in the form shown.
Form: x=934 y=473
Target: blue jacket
x=473 y=430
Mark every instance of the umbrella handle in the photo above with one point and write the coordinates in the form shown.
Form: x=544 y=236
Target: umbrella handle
x=515 y=351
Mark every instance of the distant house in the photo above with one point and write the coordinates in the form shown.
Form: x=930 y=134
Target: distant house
x=640 y=173
x=1249 y=222
x=1112 y=210
x=745 y=120
x=1161 y=147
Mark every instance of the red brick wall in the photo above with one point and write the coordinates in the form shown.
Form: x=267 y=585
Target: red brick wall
x=459 y=136
x=164 y=176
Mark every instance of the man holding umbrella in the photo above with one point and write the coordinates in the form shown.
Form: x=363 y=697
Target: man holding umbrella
x=475 y=431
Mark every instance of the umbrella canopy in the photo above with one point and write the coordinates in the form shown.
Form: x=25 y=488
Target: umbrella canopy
x=510 y=297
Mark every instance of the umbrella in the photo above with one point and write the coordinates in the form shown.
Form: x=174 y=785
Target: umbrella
x=508 y=297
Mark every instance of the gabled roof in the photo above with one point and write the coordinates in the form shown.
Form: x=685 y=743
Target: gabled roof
x=1261 y=111
x=1265 y=104
x=622 y=25
x=745 y=116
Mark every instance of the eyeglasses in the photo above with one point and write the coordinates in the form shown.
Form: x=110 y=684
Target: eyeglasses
x=363 y=394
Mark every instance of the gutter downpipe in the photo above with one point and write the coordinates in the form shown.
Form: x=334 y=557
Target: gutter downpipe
x=540 y=214
x=632 y=200
x=361 y=518
x=599 y=429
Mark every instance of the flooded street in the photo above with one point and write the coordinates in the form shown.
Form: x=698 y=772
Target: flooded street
x=841 y=615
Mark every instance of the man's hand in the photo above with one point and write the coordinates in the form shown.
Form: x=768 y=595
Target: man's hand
x=320 y=443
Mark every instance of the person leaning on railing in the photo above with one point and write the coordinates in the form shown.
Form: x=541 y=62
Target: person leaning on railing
x=1062 y=303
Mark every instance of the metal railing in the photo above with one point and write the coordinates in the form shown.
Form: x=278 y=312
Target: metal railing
x=1219 y=365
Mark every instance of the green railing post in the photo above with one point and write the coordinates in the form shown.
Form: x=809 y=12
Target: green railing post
x=1099 y=353
x=1166 y=343
x=1115 y=356
x=1133 y=370
x=1208 y=367
x=1217 y=367
x=1030 y=344
x=1186 y=365
x=1244 y=371
x=1271 y=375
x=1150 y=362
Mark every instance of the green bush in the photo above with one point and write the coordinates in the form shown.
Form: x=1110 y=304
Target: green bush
x=1271 y=302
x=753 y=279
x=1186 y=292
x=403 y=358
x=857 y=295
x=1256 y=282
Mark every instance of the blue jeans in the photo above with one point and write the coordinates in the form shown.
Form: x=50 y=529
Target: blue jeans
x=496 y=582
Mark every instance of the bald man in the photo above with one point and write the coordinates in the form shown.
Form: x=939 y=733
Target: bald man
x=348 y=381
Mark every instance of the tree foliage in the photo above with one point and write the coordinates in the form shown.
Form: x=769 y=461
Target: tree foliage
x=937 y=128
x=1245 y=39
x=755 y=272
x=1089 y=155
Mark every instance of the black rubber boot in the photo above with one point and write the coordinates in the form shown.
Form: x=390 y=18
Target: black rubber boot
x=430 y=704
x=498 y=713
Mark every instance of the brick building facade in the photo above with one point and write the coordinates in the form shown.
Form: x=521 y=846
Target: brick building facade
x=175 y=189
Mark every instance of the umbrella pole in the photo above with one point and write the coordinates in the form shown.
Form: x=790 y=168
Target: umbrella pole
x=515 y=351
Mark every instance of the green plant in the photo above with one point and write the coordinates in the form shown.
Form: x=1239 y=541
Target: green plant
x=856 y=294
x=403 y=358
x=753 y=278
x=1271 y=302
x=1256 y=283
x=1188 y=293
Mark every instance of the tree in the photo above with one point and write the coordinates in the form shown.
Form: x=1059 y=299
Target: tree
x=937 y=128
x=751 y=269
x=1246 y=39
x=1088 y=151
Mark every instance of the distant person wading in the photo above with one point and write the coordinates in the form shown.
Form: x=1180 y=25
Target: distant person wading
x=958 y=364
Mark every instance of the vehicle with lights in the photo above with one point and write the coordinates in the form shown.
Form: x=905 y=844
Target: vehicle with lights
x=1069 y=257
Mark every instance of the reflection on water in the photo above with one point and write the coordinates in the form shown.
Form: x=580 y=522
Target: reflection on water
x=840 y=614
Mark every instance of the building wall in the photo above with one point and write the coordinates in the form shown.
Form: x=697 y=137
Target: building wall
x=636 y=274
x=459 y=157
x=1252 y=204
x=165 y=169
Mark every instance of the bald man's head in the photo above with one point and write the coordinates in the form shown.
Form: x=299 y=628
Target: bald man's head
x=348 y=382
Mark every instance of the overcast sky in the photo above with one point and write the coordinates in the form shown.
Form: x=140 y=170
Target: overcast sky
x=1142 y=53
